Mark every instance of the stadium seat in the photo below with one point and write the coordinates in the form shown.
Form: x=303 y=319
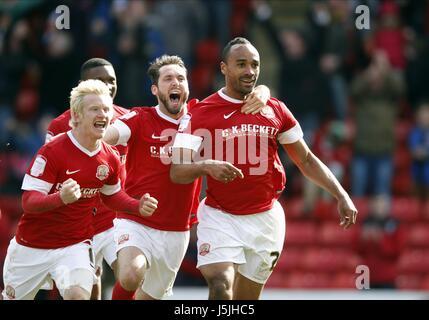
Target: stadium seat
x=300 y=233
x=276 y=280
x=362 y=205
x=406 y=209
x=207 y=52
x=307 y=280
x=201 y=79
x=414 y=261
x=344 y=280
x=402 y=130
x=333 y=235
x=293 y=208
x=418 y=235
x=402 y=184
x=326 y=209
x=402 y=159
x=425 y=282
x=11 y=206
x=290 y=260
x=408 y=282
x=330 y=260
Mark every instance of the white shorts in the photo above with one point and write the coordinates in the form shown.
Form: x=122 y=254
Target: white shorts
x=27 y=269
x=104 y=246
x=253 y=241
x=164 y=251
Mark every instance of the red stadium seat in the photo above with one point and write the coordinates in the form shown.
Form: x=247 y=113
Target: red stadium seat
x=330 y=260
x=402 y=158
x=414 y=261
x=408 y=282
x=207 y=52
x=425 y=282
x=293 y=208
x=406 y=209
x=418 y=235
x=326 y=209
x=362 y=205
x=333 y=235
x=11 y=206
x=290 y=260
x=307 y=280
x=276 y=280
x=300 y=233
x=344 y=280
x=402 y=130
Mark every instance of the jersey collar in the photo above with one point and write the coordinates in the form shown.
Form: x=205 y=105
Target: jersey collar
x=165 y=117
x=228 y=98
x=81 y=148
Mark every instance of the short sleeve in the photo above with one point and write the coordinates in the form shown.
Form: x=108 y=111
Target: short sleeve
x=126 y=126
x=42 y=172
x=290 y=131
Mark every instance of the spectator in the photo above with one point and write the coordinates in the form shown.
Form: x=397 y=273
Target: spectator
x=375 y=93
x=380 y=244
x=419 y=148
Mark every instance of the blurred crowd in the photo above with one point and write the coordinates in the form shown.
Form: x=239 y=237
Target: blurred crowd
x=359 y=95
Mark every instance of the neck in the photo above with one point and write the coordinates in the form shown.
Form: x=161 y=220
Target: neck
x=233 y=94
x=89 y=143
x=174 y=116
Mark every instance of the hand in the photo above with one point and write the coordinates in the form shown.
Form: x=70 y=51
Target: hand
x=348 y=212
x=70 y=191
x=223 y=171
x=148 y=205
x=256 y=100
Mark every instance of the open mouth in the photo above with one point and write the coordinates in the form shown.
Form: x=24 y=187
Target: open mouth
x=175 y=98
x=100 y=124
x=248 y=81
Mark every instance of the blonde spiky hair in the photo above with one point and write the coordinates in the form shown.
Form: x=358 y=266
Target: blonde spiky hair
x=77 y=94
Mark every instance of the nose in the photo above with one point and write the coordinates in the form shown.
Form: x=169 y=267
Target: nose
x=175 y=82
x=249 y=71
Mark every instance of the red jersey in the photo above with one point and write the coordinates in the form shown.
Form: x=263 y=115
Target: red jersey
x=149 y=135
x=55 y=162
x=247 y=141
x=104 y=216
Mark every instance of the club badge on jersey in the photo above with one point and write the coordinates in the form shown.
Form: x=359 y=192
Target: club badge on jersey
x=102 y=172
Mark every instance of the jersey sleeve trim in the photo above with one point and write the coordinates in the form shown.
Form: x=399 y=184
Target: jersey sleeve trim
x=124 y=132
x=292 y=135
x=108 y=190
x=187 y=141
x=33 y=184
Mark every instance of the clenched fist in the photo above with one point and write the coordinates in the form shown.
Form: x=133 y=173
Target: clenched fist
x=148 y=205
x=70 y=191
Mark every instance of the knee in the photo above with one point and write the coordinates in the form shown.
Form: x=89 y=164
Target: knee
x=76 y=293
x=130 y=279
x=220 y=284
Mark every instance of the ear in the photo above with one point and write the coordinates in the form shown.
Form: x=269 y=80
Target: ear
x=154 y=90
x=223 y=67
x=75 y=117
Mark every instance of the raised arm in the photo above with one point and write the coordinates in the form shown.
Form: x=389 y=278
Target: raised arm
x=319 y=173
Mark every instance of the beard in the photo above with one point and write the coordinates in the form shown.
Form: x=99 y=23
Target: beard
x=165 y=100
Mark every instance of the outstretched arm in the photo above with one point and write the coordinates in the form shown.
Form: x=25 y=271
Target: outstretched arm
x=319 y=173
x=183 y=170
